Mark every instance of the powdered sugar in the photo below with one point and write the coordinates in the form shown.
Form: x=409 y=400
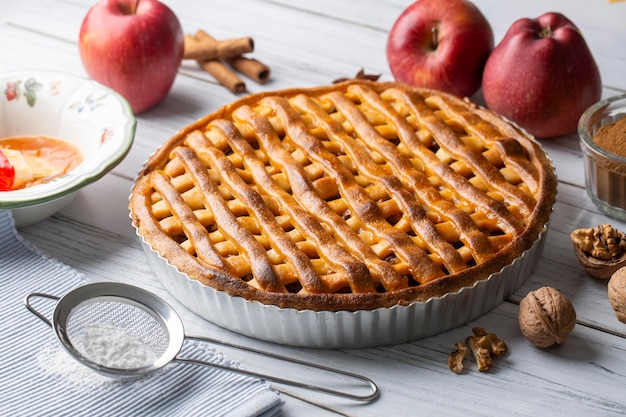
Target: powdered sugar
x=113 y=347
x=104 y=344
x=58 y=364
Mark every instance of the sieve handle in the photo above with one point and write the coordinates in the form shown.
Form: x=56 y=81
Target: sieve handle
x=36 y=312
x=359 y=378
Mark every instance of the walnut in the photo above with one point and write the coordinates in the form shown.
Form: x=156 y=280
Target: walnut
x=455 y=359
x=482 y=345
x=617 y=293
x=546 y=317
x=480 y=352
x=496 y=346
x=601 y=250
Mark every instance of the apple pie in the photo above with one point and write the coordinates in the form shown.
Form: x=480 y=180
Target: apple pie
x=353 y=196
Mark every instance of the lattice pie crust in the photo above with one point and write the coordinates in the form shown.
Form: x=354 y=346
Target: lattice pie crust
x=353 y=196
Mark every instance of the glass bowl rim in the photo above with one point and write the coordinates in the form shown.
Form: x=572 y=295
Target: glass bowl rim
x=587 y=140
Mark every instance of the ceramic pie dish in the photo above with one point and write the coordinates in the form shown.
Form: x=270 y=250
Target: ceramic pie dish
x=357 y=214
x=91 y=117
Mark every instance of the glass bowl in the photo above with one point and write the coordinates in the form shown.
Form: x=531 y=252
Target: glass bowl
x=92 y=117
x=605 y=172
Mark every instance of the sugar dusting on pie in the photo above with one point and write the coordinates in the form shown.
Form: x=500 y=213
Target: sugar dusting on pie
x=353 y=196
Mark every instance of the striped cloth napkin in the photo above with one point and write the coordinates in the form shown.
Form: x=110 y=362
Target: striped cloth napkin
x=39 y=378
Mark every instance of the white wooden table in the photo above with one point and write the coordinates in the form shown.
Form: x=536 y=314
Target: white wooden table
x=309 y=43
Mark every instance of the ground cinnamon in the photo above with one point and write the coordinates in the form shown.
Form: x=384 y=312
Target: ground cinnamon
x=612 y=137
x=605 y=174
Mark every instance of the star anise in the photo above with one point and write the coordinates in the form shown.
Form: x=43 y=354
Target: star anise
x=361 y=75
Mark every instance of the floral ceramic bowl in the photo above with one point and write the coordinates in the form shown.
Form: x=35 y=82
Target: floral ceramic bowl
x=94 y=119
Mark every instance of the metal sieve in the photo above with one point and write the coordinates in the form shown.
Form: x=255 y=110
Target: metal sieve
x=99 y=323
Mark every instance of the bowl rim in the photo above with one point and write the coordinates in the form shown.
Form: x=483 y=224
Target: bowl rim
x=73 y=180
x=587 y=140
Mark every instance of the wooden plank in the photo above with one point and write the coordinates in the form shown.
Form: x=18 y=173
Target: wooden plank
x=309 y=43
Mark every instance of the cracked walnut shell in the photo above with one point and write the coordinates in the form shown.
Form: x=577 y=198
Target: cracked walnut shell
x=617 y=294
x=546 y=317
x=601 y=250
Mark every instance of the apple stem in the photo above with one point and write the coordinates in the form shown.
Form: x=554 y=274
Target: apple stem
x=134 y=11
x=546 y=32
x=435 y=40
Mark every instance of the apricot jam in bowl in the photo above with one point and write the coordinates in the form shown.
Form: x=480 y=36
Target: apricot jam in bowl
x=602 y=131
x=58 y=133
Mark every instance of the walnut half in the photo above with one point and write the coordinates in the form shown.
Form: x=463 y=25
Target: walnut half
x=601 y=250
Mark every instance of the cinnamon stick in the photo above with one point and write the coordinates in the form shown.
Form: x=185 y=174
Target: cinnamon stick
x=218 y=69
x=203 y=47
x=209 y=53
x=251 y=68
x=223 y=75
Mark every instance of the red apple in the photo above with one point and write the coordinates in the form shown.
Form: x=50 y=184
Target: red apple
x=441 y=45
x=542 y=76
x=7 y=173
x=133 y=46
